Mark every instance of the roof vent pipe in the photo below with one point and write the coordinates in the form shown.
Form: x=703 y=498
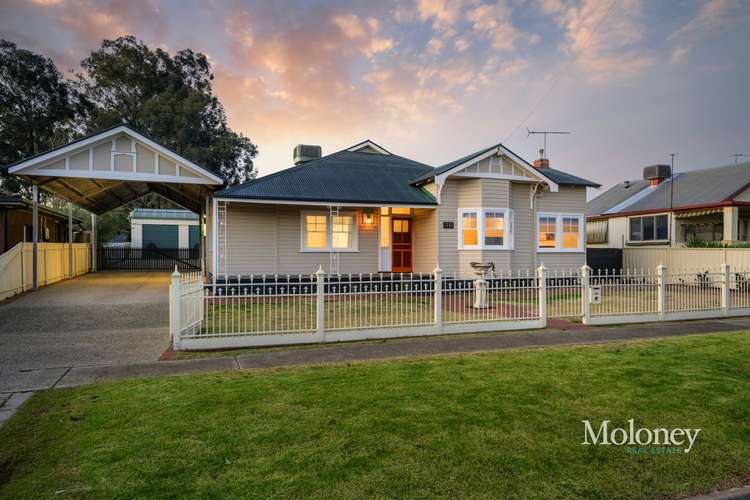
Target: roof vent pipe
x=304 y=153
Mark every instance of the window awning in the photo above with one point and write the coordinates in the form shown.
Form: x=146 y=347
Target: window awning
x=698 y=213
x=596 y=231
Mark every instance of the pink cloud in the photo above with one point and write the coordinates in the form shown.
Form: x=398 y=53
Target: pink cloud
x=603 y=41
x=713 y=18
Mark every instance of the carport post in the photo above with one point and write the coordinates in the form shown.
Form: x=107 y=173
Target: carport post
x=94 y=243
x=35 y=235
x=70 y=240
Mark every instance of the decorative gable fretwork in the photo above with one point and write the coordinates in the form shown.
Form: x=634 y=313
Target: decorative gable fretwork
x=497 y=167
x=121 y=158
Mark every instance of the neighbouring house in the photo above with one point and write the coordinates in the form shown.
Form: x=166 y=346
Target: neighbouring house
x=662 y=210
x=164 y=228
x=16 y=223
x=366 y=210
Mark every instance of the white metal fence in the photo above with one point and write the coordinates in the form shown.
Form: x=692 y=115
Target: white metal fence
x=277 y=310
x=52 y=265
x=564 y=293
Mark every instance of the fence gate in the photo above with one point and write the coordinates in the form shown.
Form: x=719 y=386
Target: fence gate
x=148 y=259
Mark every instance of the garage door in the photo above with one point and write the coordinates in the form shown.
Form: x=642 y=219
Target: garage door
x=160 y=236
x=194 y=235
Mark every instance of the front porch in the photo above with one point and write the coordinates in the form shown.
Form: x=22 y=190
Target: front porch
x=728 y=225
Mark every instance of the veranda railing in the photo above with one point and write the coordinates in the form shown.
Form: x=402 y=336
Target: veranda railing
x=275 y=310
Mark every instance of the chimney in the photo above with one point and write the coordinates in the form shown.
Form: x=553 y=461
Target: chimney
x=656 y=174
x=304 y=153
x=542 y=162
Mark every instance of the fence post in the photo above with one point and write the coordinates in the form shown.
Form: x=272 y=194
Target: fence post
x=725 y=285
x=174 y=309
x=661 y=280
x=320 y=275
x=438 y=299
x=585 y=292
x=542 y=274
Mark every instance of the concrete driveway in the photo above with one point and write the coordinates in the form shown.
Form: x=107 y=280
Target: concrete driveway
x=97 y=319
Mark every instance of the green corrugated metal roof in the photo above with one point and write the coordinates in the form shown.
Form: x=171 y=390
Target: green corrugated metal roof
x=344 y=177
x=159 y=213
x=566 y=179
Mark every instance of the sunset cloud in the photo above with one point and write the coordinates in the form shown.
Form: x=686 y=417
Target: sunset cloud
x=713 y=17
x=442 y=13
x=603 y=37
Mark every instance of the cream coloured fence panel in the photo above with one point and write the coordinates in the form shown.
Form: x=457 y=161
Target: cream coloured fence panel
x=16 y=267
x=705 y=259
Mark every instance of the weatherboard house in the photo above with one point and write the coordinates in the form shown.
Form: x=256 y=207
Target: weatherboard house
x=367 y=210
x=359 y=210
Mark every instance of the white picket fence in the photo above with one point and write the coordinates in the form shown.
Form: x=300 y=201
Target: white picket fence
x=52 y=265
x=280 y=310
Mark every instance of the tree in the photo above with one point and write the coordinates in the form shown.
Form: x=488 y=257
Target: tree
x=168 y=98
x=38 y=108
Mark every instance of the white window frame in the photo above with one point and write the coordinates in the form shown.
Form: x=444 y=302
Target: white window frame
x=559 y=233
x=481 y=215
x=329 y=232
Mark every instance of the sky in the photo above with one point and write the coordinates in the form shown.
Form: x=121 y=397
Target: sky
x=434 y=80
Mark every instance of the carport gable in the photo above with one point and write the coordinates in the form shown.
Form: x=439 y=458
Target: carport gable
x=107 y=169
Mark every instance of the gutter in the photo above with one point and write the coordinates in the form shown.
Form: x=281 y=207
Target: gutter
x=323 y=203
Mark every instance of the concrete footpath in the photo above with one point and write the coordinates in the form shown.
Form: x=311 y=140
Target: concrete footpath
x=71 y=376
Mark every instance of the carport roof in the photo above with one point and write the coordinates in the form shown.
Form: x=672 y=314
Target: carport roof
x=114 y=176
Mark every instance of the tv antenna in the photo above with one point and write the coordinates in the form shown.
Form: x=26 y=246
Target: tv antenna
x=545 y=133
x=737 y=157
x=671 y=180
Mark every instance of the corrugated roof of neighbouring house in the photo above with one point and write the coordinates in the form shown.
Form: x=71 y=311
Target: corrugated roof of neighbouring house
x=345 y=177
x=557 y=176
x=614 y=196
x=691 y=188
x=164 y=214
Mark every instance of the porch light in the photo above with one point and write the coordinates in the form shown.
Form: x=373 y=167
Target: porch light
x=368 y=218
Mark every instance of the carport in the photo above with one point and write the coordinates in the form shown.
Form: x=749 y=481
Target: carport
x=105 y=170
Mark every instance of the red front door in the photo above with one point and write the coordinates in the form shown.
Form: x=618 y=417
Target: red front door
x=401 y=253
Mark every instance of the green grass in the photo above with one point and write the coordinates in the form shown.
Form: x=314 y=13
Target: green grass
x=492 y=425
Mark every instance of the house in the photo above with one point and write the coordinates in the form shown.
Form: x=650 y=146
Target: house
x=164 y=228
x=662 y=210
x=367 y=210
x=16 y=223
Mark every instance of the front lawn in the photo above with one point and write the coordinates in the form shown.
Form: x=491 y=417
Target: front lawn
x=496 y=425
